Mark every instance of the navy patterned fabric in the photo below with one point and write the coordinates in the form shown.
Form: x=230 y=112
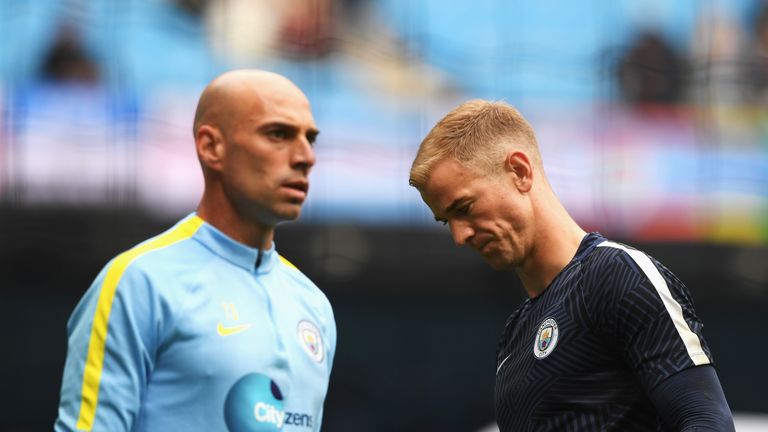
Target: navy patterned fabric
x=584 y=354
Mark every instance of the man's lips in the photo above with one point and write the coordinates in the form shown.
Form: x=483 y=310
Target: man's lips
x=481 y=245
x=298 y=185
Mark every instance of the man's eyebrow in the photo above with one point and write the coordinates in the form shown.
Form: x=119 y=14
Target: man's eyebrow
x=454 y=204
x=313 y=132
x=278 y=124
x=450 y=208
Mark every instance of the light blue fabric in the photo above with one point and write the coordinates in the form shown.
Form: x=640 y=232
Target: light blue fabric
x=201 y=340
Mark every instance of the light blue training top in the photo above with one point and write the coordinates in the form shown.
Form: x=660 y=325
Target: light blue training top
x=185 y=333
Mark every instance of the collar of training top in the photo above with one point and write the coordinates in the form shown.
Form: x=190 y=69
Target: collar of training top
x=237 y=253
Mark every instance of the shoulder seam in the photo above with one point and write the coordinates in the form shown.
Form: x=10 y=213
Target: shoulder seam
x=674 y=309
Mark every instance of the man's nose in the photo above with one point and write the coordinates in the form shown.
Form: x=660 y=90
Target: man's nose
x=303 y=155
x=461 y=232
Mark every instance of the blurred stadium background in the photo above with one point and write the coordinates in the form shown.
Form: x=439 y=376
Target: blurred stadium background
x=652 y=116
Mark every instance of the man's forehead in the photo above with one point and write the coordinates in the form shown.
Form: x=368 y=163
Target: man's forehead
x=282 y=95
x=447 y=173
x=298 y=116
x=444 y=184
x=276 y=107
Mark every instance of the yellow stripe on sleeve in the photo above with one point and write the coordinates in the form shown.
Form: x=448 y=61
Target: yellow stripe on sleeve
x=288 y=263
x=97 y=342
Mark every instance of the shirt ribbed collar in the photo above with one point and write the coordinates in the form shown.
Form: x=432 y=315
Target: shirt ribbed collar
x=588 y=243
x=233 y=251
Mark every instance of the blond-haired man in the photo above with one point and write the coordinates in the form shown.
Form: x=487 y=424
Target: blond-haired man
x=608 y=339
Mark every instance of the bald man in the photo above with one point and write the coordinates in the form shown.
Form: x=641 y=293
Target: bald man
x=205 y=327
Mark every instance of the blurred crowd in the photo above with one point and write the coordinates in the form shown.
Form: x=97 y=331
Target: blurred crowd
x=96 y=98
x=724 y=61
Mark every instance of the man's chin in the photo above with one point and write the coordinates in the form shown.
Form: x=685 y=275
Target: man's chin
x=288 y=213
x=499 y=262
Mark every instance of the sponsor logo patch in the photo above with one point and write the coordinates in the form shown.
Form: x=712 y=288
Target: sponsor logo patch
x=256 y=404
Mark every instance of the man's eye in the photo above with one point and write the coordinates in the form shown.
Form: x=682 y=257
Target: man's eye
x=464 y=210
x=278 y=134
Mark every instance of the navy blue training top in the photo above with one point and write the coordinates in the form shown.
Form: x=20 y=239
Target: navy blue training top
x=586 y=353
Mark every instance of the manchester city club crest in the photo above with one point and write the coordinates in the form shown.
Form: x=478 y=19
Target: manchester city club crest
x=310 y=339
x=546 y=338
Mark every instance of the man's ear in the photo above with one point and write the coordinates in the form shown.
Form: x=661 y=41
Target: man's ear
x=210 y=147
x=518 y=165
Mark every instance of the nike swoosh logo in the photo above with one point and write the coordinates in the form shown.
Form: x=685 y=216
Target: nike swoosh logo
x=229 y=331
x=500 y=364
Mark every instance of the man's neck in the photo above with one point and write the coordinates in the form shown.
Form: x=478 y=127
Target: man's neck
x=228 y=221
x=556 y=242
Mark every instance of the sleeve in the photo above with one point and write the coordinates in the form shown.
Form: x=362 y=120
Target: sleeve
x=331 y=337
x=331 y=352
x=111 y=347
x=693 y=400
x=648 y=315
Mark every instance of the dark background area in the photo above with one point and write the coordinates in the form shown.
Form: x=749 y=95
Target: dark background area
x=418 y=319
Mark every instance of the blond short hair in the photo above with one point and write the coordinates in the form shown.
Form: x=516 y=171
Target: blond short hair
x=477 y=134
